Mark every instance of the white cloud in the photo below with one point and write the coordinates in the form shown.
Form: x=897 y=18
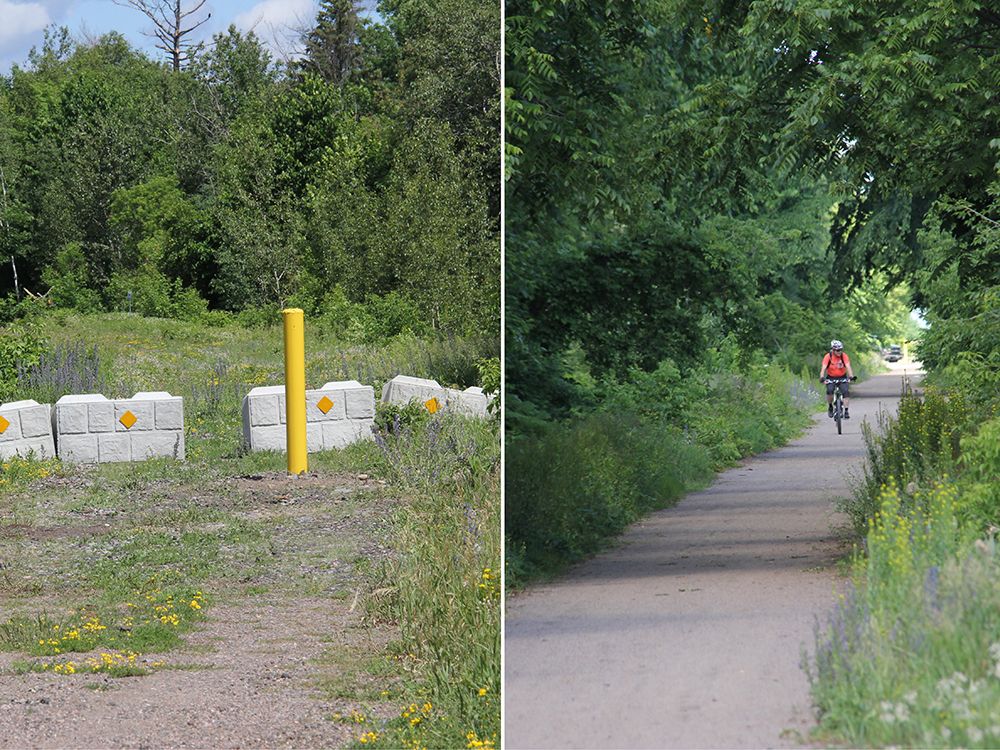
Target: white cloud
x=21 y=20
x=278 y=23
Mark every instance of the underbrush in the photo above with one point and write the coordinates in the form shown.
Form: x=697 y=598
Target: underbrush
x=443 y=588
x=911 y=655
x=572 y=485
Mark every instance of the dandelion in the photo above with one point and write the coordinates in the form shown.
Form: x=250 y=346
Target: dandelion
x=483 y=691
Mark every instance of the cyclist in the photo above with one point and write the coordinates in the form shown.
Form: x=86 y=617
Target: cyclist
x=836 y=364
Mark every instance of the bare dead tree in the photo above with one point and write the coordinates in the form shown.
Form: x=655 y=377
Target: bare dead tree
x=169 y=19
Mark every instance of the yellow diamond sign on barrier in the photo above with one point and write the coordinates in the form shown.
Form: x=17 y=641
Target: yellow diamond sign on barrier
x=433 y=405
x=127 y=419
x=4 y=424
x=324 y=404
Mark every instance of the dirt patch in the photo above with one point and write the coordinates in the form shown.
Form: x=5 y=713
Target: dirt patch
x=247 y=678
x=253 y=673
x=44 y=533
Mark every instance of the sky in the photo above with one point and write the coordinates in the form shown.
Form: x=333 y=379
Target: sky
x=22 y=23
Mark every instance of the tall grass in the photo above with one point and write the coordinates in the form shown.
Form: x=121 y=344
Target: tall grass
x=911 y=656
x=443 y=589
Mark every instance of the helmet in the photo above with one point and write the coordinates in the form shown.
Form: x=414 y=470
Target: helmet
x=836 y=345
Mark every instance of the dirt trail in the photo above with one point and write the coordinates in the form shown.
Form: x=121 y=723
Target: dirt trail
x=245 y=680
x=689 y=634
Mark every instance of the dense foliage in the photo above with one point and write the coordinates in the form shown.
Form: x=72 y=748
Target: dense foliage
x=771 y=173
x=340 y=179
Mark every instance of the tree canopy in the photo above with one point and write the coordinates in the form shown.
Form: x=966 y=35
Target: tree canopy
x=250 y=183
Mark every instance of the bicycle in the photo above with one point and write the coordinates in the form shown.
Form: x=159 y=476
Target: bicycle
x=838 y=399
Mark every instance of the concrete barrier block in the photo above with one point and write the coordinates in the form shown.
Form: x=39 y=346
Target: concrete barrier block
x=150 y=424
x=101 y=417
x=12 y=430
x=158 y=444
x=269 y=438
x=343 y=433
x=114 y=447
x=72 y=417
x=324 y=405
x=471 y=402
x=169 y=414
x=81 y=449
x=336 y=403
x=314 y=437
x=143 y=413
x=402 y=389
x=359 y=400
x=26 y=429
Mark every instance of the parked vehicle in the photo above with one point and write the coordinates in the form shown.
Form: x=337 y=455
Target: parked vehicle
x=894 y=354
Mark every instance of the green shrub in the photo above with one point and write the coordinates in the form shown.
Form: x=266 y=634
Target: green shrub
x=571 y=487
x=21 y=347
x=69 y=282
x=392 y=418
x=918 y=445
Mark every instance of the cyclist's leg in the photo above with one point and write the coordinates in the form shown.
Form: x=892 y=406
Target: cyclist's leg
x=845 y=389
x=829 y=399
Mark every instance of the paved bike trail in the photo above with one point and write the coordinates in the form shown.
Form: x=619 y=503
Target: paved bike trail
x=689 y=633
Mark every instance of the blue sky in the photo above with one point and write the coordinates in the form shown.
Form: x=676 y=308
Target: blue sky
x=22 y=22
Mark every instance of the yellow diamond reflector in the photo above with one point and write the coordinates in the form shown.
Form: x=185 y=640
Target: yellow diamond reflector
x=4 y=424
x=324 y=404
x=127 y=419
x=433 y=405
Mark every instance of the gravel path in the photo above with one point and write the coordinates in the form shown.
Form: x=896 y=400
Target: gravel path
x=689 y=634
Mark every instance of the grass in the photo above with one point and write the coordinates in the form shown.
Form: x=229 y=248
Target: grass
x=414 y=549
x=911 y=655
x=443 y=592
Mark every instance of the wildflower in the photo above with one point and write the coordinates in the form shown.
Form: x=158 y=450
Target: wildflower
x=483 y=691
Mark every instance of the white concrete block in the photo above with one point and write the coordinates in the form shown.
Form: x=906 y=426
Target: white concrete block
x=81 y=449
x=36 y=421
x=114 y=447
x=158 y=444
x=343 y=395
x=28 y=430
x=101 y=417
x=471 y=402
x=343 y=433
x=169 y=414
x=71 y=418
x=314 y=437
x=143 y=411
x=13 y=431
x=402 y=389
x=313 y=412
x=158 y=429
x=270 y=438
x=264 y=410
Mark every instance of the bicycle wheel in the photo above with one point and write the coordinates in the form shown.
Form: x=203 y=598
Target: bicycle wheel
x=838 y=412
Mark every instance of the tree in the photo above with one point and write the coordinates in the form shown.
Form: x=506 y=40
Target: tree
x=172 y=25
x=332 y=47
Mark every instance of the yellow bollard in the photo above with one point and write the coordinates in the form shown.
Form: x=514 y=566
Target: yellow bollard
x=295 y=391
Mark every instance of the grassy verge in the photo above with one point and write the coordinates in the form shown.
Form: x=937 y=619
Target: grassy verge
x=572 y=485
x=443 y=590
x=911 y=655
x=105 y=568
